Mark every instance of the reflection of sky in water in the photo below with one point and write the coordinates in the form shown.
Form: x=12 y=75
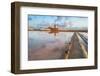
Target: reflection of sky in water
x=45 y=36
x=38 y=39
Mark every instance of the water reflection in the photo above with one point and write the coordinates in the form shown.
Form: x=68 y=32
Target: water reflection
x=42 y=45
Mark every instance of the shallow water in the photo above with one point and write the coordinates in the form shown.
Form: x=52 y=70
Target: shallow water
x=44 y=45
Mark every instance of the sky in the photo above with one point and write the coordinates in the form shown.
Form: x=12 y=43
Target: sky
x=43 y=21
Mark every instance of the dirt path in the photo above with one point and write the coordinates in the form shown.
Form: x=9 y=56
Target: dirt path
x=76 y=50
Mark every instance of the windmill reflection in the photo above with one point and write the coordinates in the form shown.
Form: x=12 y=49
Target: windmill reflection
x=54 y=30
